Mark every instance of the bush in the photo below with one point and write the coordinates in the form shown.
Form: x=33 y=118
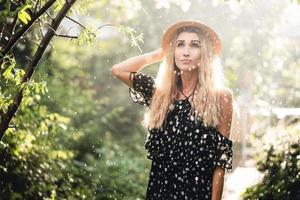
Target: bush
x=280 y=164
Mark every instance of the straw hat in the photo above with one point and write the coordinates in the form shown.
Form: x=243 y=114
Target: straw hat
x=170 y=32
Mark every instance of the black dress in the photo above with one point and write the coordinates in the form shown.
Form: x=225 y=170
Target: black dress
x=184 y=154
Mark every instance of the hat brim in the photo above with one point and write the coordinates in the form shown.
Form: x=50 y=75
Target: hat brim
x=170 y=32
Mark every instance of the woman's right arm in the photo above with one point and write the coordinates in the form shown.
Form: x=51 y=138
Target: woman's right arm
x=122 y=70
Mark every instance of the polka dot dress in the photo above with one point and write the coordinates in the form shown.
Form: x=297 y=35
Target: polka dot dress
x=183 y=151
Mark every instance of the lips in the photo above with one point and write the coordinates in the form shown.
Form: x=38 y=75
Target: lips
x=186 y=61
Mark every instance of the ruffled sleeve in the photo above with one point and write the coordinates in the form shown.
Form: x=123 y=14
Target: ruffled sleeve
x=142 y=89
x=224 y=153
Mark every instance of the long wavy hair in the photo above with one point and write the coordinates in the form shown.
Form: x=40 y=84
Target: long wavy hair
x=205 y=103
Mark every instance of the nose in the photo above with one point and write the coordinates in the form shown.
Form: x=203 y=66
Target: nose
x=186 y=52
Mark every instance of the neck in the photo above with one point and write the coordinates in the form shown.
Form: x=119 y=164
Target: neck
x=188 y=80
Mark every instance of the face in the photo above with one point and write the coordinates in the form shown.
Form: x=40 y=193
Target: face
x=187 y=51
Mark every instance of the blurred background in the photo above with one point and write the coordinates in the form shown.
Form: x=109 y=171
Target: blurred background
x=78 y=135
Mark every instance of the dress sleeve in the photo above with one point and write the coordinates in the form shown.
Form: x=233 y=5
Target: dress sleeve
x=142 y=89
x=224 y=153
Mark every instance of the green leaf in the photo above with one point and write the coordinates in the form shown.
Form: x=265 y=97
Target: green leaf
x=23 y=16
x=87 y=36
x=8 y=72
x=135 y=39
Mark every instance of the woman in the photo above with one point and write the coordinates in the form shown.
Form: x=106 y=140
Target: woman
x=189 y=113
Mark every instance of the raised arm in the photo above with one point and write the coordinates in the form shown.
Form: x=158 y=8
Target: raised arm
x=134 y=64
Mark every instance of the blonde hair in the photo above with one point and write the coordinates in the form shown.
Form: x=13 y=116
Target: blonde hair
x=205 y=103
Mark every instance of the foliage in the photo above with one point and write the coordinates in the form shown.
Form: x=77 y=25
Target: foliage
x=135 y=39
x=55 y=147
x=32 y=165
x=23 y=15
x=76 y=136
x=119 y=170
x=46 y=157
x=280 y=164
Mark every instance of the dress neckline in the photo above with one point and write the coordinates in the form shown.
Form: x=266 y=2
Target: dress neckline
x=183 y=100
x=186 y=97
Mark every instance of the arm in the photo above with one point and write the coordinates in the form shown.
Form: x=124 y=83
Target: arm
x=224 y=128
x=134 y=64
x=218 y=182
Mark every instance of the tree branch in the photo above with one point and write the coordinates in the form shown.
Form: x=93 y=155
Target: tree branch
x=76 y=22
x=2 y=35
x=7 y=117
x=107 y=25
x=36 y=6
x=13 y=26
x=67 y=36
x=49 y=15
x=21 y=32
x=41 y=29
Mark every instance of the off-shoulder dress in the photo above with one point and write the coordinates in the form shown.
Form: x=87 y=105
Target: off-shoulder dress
x=184 y=154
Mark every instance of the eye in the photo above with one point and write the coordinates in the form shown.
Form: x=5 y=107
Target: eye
x=195 y=44
x=179 y=44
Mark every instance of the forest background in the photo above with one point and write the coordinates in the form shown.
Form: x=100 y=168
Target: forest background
x=77 y=135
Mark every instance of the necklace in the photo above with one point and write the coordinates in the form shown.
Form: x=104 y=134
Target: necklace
x=189 y=95
x=185 y=95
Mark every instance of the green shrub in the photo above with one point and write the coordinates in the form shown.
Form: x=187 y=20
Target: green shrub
x=280 y=164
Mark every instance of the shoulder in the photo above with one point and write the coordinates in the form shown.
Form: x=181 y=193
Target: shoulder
x=225 y=103
x=225 y=96
x=225 y=92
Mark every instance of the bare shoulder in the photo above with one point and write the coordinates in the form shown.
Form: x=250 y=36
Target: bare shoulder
x=226 y=96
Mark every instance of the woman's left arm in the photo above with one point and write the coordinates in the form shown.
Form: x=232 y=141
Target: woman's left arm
x=224 y=128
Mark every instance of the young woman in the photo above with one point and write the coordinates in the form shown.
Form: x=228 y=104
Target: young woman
x=188 y=114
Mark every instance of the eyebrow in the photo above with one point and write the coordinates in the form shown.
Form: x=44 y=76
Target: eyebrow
x=191 y=41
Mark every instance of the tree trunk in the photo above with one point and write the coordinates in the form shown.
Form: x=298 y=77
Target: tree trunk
x=7 y=117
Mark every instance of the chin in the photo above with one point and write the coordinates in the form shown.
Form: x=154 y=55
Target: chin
x=186 y=68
